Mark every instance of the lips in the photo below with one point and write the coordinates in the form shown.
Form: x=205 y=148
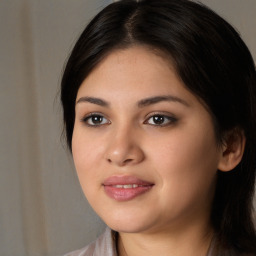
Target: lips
x=124 y=188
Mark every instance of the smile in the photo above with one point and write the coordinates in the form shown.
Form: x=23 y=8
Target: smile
x=128 y=186
x=124 y=188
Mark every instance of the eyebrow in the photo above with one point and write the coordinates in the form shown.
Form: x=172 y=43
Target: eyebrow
x=140 y=104
x=93 y=100
x=157 y=99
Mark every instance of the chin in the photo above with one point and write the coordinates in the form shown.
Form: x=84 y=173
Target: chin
x=129 y=223
x=127 y=228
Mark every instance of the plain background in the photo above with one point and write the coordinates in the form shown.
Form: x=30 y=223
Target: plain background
x=42 y=209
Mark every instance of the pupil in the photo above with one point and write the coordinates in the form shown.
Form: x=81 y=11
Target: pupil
x=158 y=119
x=97 y=119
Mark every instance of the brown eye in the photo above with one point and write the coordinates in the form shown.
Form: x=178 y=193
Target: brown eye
x=95 y=120
x=160 y=120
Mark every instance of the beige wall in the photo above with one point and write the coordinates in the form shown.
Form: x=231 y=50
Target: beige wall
x=241 y=14
x=43 y=211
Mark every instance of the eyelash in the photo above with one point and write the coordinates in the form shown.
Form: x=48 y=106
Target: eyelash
x=89 y=117
x=167 y=120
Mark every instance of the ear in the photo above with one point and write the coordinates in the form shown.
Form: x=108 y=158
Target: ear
x=232 y=150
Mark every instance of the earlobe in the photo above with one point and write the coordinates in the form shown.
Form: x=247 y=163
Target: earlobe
x=232 y=150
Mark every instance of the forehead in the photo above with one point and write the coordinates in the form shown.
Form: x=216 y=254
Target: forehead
x=143 y=67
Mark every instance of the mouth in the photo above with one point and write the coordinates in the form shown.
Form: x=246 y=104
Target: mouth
x=127 y=186
x=124 y=188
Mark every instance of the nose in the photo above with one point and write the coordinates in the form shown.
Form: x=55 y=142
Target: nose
x=124 y=149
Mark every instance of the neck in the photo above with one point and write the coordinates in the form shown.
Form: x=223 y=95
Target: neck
x=194 y=241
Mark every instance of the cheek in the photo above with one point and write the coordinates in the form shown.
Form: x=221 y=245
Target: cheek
x=186 y=165
x=191 y=148
x=86 y=155
x=86 y=148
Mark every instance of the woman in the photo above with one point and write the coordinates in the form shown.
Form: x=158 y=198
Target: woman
x=159 y=110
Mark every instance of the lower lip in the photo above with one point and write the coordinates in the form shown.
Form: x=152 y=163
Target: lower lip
x=125 y=194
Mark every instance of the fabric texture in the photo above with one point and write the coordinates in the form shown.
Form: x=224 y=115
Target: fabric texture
x=103 y=246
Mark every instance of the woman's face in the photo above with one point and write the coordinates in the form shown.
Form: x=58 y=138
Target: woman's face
x=144 y=147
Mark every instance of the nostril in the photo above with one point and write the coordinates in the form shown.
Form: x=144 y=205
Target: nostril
x=124 y=162
x=127 y=161
x=124 y=155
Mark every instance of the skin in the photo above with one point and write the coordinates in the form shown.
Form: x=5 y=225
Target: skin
x=180 y=156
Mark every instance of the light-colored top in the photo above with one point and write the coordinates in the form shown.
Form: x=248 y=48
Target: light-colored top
x=105 y=246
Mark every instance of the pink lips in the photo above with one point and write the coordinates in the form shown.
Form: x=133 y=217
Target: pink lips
x=123 y=188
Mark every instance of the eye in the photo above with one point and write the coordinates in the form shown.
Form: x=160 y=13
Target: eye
x=160 y=120
x=95 y=120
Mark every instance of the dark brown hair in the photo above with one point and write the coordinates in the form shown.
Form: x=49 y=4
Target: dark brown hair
x=214 y=64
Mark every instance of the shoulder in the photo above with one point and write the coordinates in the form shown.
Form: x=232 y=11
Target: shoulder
x=86 y=251
x=104 y=245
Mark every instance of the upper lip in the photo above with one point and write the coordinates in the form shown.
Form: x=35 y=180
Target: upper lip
x=125 y=180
